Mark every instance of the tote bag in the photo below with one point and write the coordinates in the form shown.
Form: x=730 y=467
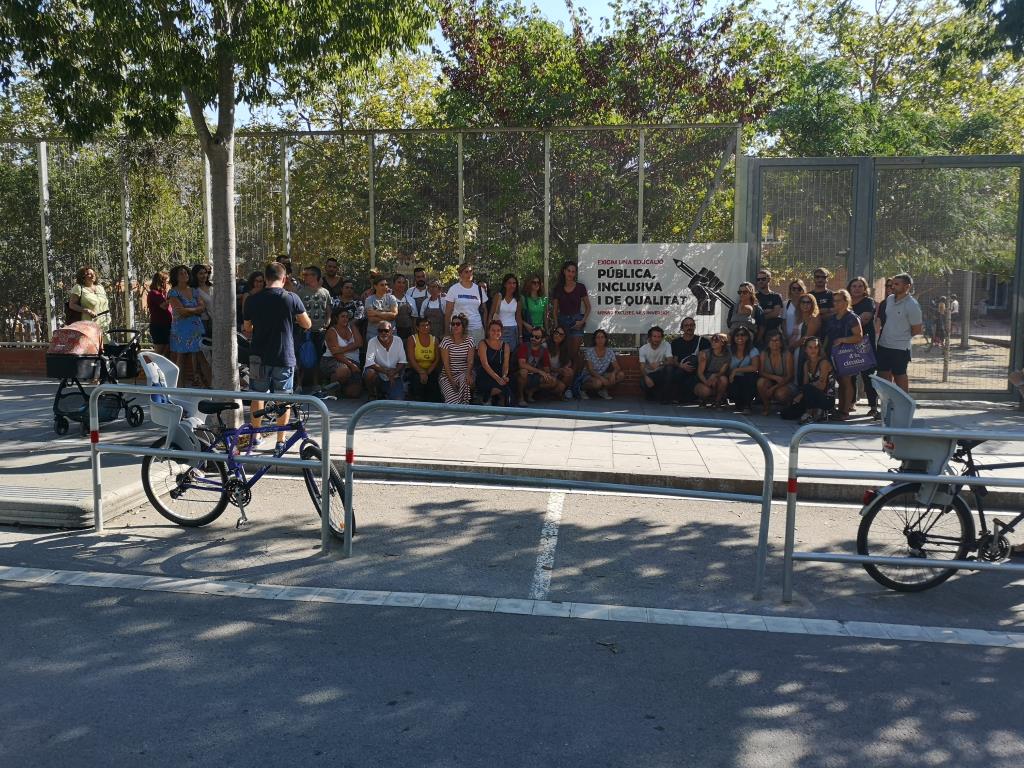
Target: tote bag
x=851 y=359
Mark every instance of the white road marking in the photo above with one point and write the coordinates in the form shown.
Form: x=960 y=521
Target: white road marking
x=747 y=622
x=548 y=542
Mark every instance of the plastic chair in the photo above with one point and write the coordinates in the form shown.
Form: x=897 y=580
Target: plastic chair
x=189 y=406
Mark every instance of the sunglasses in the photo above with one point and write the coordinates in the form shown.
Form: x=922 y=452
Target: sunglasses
x=537 y=338
x=558 y=333
x=456 y=322
x=820 y=277
x=806 y=301
x=381 y=331
x=795 y=288
x=761 y=278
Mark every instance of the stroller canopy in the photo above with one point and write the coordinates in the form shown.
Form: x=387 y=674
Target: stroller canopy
x=81 y=338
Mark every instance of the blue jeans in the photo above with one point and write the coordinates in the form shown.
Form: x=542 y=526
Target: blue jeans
x=569 y=323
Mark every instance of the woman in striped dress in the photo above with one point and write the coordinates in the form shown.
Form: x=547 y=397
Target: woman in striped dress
x=457 y=358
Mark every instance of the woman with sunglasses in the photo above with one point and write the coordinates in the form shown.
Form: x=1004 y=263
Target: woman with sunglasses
x=744 y=362
x=561 y=360
x=424 y=369
x=817 y=394
x=89 y=299
x=864 y=307
x=457 y=360
x=713 y=373
x=340 y=361
x=747 y=312
x=843 y=328
x=507 y=309
x=467 y=299
x=535 y=308
x=791 y=311
x=493 y=357
x=571 y=306
x=775 y=374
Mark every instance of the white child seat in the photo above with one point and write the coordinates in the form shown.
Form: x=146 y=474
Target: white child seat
x=172 y=412
x=929 y=455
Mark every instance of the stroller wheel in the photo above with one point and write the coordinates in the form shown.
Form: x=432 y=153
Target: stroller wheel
x=135 y=415
x=60 y=425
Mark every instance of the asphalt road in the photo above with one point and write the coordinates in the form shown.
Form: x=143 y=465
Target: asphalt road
x=111 y=676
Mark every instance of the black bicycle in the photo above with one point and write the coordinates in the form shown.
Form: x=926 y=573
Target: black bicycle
x=193 y=493
x=915 y=521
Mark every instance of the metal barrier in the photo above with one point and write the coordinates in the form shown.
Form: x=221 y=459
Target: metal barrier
x=796 y=472
x=765 y=499
x=135 y=450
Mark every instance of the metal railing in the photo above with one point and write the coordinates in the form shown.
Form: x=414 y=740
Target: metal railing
x=765 y=499
x=97 y=447
x=795 y=472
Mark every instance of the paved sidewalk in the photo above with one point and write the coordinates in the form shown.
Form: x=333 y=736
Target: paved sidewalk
x=47 y=480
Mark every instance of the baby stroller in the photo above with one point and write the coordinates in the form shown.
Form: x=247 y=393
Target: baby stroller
x=77 y=352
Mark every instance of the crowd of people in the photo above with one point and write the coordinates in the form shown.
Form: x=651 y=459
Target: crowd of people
x=417 y=339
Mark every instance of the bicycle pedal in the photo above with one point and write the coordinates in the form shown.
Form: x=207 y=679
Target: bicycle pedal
x=243 y=522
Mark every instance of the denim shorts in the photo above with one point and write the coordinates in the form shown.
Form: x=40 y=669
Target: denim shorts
x=569 y=323
x=270 y=378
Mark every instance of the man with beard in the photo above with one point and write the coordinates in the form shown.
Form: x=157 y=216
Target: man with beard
x=332 y=279
x=686 y=350
x=418 y=292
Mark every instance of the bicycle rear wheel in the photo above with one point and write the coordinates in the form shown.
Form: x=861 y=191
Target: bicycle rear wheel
x=311 y=452
x=186 y=493
x=898 y=525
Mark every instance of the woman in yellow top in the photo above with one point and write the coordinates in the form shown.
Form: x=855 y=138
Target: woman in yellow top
x=424 y=363
x=89 y=298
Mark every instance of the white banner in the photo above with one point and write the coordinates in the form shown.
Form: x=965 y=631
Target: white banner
x=633 y=287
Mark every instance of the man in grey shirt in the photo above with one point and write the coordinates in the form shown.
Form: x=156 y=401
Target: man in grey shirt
x=903 y=321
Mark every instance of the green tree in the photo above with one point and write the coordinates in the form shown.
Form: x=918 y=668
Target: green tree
x=103 y=64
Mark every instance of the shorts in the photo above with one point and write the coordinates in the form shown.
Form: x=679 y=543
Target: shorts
x=895 y=361
x=160 y=334
x=569 y=323
x=270 y=378
x=328 y=365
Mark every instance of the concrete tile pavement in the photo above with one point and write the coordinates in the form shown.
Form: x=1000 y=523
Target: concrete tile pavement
x=36 y=465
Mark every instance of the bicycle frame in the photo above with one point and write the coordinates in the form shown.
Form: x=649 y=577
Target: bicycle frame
x=973 y=469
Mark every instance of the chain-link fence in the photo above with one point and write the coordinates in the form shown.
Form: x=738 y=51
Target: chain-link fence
x=516 y=201
x=953 y=224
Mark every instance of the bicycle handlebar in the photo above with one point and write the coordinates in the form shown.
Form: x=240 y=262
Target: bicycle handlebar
x=272 y=409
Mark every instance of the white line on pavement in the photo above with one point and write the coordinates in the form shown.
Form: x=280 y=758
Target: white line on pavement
x=548 y=542
x=793 y=625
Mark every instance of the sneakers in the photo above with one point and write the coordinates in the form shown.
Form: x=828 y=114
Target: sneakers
x=279 y=449
x=568 y=394
x=604 y=394
x=584 y=395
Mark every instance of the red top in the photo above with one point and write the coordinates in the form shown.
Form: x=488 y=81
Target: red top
x=158 y=316
x=537 y=359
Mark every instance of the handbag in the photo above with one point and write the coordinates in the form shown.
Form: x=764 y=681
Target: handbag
x=851 y=359
x=307 y=352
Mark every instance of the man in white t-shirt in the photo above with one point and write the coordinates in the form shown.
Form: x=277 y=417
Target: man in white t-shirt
x=657 y=379
x=465 y=298
x=903 y=321
x=385 y=361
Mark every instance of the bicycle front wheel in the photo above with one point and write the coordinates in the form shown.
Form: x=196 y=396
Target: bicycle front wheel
x=898 y=525
x=186 y=493
x=311 y=452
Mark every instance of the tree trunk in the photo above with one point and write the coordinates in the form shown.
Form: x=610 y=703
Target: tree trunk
x=221 y=155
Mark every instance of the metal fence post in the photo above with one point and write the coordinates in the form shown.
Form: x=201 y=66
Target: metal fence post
x=461 y=191
x=371 y=179
x=547 y=211
x=640 y=187
x=286 y=216
x=1017 y=306
x=45 y=234
x=126 y=250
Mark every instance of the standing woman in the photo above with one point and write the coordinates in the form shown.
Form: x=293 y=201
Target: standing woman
x=775 y=375
x=492 y=360
x=433 y=308
x=204 y=290
x=256 y=283
x=747 y=312
x=864 y=307
x=186 y=324
x=424 y=356
x=535 y=308
x=89 y=298
x=713 y=372
x=159 y=313
x=457 y=359
x=743 y=366
x=560 y=353
x=791 y=313
x=844 y=328
x=808 y=326
x=571 y=306
x=466 y=298
x=508 y=310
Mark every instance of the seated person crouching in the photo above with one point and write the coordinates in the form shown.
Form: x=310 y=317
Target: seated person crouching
x=535 y=369
x=385 y=361
x=775 y=383
x=340 y=361
x=424 y=355
x=657 y=369
x=493 y=358
x=560 y=351
x=713 y=372
x=600 y=367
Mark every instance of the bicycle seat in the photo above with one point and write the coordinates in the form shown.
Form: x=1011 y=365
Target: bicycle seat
x=968 y=445
x=213 y=406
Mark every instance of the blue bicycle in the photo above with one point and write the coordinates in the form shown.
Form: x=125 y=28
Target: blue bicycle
x=193 y=493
